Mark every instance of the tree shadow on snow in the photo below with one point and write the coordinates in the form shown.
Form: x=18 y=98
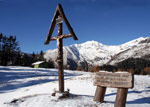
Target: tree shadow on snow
x=11 y=87
x=144 y=100
x=9 y=80
x=11 y=68
x=77 y=96
x=148 y=89
x=129 y=92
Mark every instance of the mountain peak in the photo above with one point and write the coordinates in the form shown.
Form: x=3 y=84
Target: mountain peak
x=95 y=53
x=140 y=39
x=92 y=44
x=145 y=40
x=134 y=42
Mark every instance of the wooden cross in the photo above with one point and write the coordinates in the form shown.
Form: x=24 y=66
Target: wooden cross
x=58 y=18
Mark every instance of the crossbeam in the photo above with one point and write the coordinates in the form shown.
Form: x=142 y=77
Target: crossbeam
x=60 y=37
x=58 y=19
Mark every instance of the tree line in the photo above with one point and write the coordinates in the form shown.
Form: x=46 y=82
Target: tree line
x=10 y=53
x=132 y=65
x=140 y=66
x=8 y=49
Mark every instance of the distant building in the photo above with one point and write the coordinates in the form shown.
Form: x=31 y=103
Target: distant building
x=40 y=64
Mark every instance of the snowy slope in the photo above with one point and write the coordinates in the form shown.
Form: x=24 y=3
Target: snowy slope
x=29 y=87
x=138 y=48
x=95 y=53
x=90 y=51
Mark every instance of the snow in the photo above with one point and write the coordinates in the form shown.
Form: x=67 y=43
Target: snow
x=39 y=62
x=30 y=87
x=96 y=53
x=89 y=51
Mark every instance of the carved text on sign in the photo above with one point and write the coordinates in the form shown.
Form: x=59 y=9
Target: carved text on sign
x=116 y=80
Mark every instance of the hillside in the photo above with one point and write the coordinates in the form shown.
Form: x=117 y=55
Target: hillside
x=95 y=53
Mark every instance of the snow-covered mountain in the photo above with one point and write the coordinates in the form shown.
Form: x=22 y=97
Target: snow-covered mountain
x=95 y=53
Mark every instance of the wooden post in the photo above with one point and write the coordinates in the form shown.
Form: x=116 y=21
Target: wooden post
x=121 y=97
x=99 y=94
x=60 y=59
x=58 y=19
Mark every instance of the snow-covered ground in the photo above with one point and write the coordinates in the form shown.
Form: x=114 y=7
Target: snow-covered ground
x=29 y=87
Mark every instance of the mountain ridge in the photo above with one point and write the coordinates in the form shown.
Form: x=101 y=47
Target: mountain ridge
x=95 y=53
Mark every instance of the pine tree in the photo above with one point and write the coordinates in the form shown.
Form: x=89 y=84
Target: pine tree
x=41 y=57
x=33 y=57
x=4 y=51
x=26 y=60
x=8 y=50
x=18 y=59
x=1 y=36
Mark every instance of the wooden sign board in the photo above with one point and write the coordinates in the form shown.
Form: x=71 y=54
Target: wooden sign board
x=114 y=80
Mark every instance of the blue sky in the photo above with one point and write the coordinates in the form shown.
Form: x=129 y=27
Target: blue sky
x=111 y=22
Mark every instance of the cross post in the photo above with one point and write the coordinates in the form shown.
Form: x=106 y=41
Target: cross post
x=58 y=18
x=60 y=58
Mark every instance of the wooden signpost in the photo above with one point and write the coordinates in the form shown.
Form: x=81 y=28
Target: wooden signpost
x=120 y=80
x=58 y=19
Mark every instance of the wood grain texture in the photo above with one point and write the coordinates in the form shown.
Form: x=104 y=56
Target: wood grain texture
x=60 y=59
x=100 y=94
x=60 y=37
x=121 y=97
x=115 y=80
x=59 y=13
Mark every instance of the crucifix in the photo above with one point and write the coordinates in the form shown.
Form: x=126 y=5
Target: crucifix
x=58 y=19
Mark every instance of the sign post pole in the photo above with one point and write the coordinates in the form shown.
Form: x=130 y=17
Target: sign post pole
x=122 y=81
x=121 y=97
x=100 y=94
